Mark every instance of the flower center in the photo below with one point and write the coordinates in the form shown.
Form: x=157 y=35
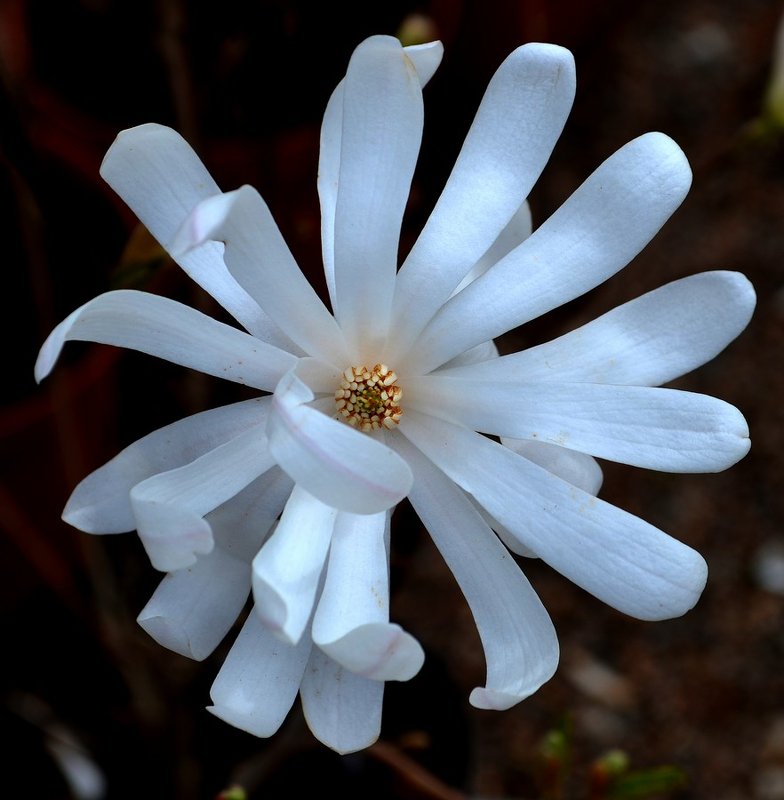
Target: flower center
x=368 y=399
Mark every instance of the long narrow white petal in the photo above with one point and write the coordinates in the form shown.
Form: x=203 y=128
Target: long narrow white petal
x=259 y=679
x=101 y=503
x=337 y=464
x=287 y=570
x=663 y=429
x=516 y=127
x=167 y=329
x=193 y=608
x=596 y=232
x=158 y=175
x=170 y=507
x=617 y=557
x=519 y=640
x=425 y=58
x=343 y=710
x=259 y=258
x=351 y=623
x=650 y=340
x=381 y=133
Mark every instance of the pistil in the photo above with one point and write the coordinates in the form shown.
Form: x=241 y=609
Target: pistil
x=369 y=399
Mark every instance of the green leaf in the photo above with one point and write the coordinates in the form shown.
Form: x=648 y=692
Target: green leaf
x=646 y=782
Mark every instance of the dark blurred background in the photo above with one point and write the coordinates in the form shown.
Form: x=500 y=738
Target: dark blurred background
x=246 y=82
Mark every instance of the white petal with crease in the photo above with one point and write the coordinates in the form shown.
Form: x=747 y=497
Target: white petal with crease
x=194 y=608
x=617 y=557
x=663 y=429
x=167 y=329
x=351 y=623
x=426 y=58
x=380 y=137
x=287 y=570
x=519 y=640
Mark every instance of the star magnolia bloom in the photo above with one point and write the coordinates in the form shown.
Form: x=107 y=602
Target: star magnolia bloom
x=389 y=397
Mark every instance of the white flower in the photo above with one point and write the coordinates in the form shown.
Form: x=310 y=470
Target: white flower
x=408 y=358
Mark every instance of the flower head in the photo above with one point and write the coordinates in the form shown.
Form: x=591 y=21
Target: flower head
x=391 y=394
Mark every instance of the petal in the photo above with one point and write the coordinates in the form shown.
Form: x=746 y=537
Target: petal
x=320 y=377
x=158 y=175
x=287 y=569
x=648 y=341
x=337 y=464
x=241 y=524
x=519 y=640
x=517 y=230
x=169 y=507
x=259 y=258
x=476 y=355
x=516 y=127
x=380 y=138
x=167 y=329
x=259 y=679
x=425 y=58
x=662 y=429
x=101 y=503
x=617 y=557
x=351 y=623
x=193 y=609
x=511 y=542
x=596 y=232
x=579 y=469
x=343 y=710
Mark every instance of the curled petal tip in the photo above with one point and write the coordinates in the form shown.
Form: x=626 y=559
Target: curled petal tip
x=379 y=651
x=52 y=347
x=490 y=700
x=172 y=537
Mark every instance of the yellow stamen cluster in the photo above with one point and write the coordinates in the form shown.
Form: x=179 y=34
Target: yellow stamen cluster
x=368 y=398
